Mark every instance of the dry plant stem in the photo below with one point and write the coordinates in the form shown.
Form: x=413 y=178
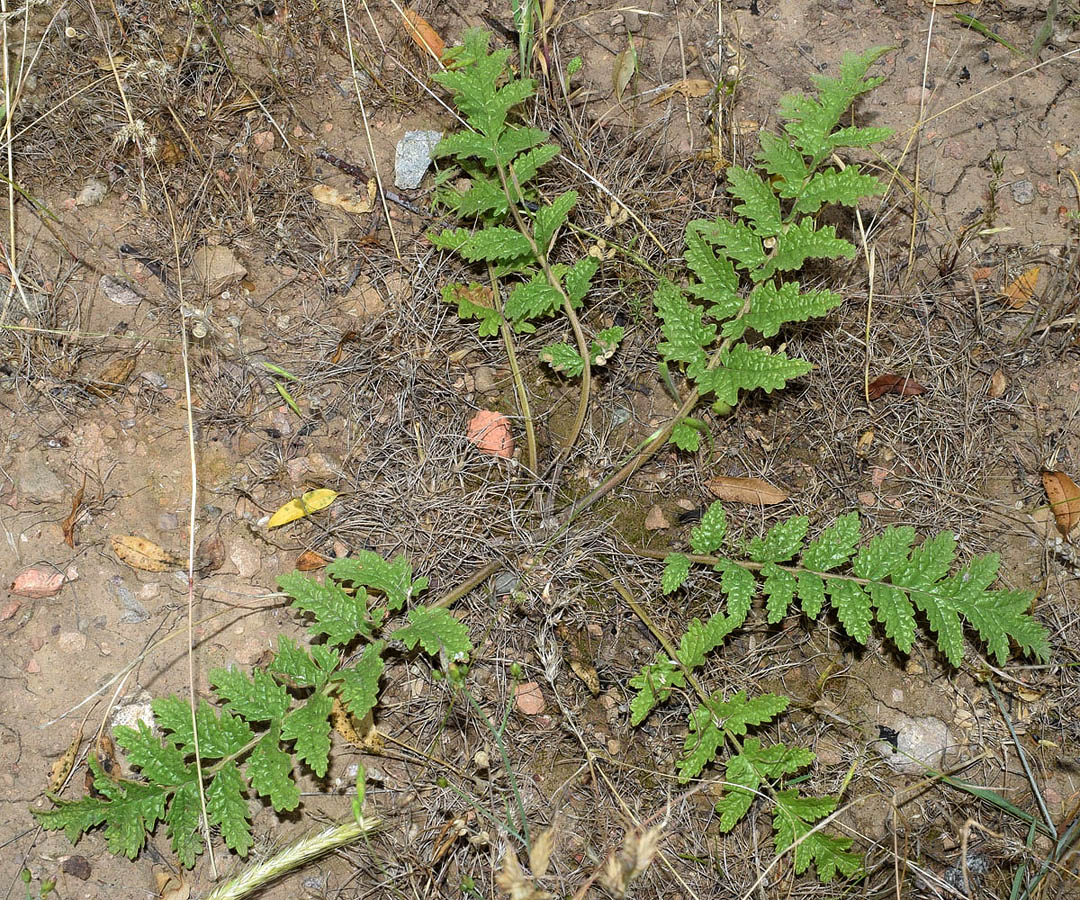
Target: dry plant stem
x=579 y=336
x=476 y=579
x=184 y=356
x=367 y=131
x=515 y=370
x=293 y=857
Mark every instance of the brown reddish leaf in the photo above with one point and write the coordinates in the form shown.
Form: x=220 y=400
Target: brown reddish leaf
x=309 y=561
x=424 y=36
x=745 y=490
x=1020 y=290
x=37 y=583
x=60 y=770
x=894 y=384
x=210 y=554
x=139 y=553
x=68 y=524
x=345 y=338
x=981 y=273
x=688 y=87
x=1064 y=498
x=490 y=432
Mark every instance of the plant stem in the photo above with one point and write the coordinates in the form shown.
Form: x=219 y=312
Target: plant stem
x=579 y=336
x=515 y=370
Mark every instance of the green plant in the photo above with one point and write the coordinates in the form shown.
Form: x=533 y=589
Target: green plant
x=500 y=161
x=294 y=700
x=743 y=268
x=888 y=579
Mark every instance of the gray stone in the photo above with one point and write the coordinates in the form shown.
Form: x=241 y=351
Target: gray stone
x=920 y=743
x=413 y=157
x=35 y=481
x=1023 y=192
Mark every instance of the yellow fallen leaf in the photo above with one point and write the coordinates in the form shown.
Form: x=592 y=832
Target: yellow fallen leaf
x=299 y=507
x=139 y=553
x=1019 y=291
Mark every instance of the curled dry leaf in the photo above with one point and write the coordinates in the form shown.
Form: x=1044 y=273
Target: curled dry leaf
x=139 y=553
x=1064 y=498
x=295 y=509
x=37 y=583
x=745 y=490
x=490 y=432
x=424 y=36
x=309 y=561
x=351 y=203
x=894 y=384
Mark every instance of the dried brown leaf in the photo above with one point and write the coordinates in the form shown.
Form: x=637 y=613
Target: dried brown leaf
x=309 y=561
x=139 y=553
x=894 y=384
x=60 y=770
x=688 y=87
x=1064 y=498
x=68 y=525
x=745 y=490
x=113 y=376
x=424 y=36
x=998 y=384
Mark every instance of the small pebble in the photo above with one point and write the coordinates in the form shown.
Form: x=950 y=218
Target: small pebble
x=1023 y=191
x=484 y=377
x=71 y=642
